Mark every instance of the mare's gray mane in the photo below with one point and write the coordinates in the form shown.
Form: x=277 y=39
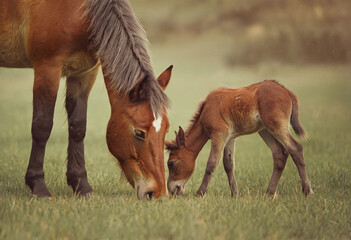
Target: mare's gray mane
x=122 y=46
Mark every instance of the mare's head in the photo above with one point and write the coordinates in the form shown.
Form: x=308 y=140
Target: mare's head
x=135 y=136
x=181 y=164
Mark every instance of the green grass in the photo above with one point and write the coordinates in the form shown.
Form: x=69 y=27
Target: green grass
x=114 y=211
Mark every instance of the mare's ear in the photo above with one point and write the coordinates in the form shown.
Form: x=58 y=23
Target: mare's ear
x=164 y=78
x=138 y=93
x=180 y=140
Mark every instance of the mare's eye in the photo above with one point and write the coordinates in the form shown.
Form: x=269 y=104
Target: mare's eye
x=139 y=134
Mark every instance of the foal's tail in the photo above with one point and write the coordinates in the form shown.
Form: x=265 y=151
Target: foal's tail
x=294 y=119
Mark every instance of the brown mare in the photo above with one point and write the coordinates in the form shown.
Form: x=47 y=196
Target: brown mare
x=266 y=107
x=70 y=39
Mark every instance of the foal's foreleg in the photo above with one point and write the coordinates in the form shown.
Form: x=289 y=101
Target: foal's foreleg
x=46 y=83
x=229 y=165
x=280 y=155
x=217 y=145
x=78 y=88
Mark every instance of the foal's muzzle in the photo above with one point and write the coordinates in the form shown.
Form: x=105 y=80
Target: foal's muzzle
x=176 y=188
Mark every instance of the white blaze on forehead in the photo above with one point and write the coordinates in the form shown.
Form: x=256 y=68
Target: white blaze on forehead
x=157 y=123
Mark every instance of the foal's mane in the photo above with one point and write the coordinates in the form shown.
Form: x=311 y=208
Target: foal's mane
x=196 y=117
x=122 y=46
x=172 y=145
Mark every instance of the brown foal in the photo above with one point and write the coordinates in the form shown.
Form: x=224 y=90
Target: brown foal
x=265 y=107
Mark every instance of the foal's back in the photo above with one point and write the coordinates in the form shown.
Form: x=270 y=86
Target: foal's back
x=247 y=110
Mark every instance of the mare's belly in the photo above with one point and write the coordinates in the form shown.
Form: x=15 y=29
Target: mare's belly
x=12 y=45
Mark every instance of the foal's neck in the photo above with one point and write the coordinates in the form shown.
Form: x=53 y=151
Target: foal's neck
x=196 y=138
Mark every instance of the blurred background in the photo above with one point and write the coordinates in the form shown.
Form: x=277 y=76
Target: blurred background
x=254 y=31
x=304 y=44
x=233 y=43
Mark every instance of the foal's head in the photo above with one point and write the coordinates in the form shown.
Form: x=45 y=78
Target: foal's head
x=135 y=136
x=181 y=164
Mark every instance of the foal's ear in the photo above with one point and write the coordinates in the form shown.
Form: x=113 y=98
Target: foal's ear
x=138 y=93
x=170 y=146
x=164 y=78
x=180 y=140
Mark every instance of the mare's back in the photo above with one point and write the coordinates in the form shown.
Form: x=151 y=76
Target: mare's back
x=39 y=28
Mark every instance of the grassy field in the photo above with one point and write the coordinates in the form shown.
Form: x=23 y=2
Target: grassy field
x=114 y=212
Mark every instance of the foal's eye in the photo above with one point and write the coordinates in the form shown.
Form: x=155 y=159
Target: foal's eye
x=171 y=164
x=139 y=134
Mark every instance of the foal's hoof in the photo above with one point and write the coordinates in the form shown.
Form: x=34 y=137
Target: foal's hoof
x=308 y=192
x=234 y=194
x=200 y=194
x=272 y=195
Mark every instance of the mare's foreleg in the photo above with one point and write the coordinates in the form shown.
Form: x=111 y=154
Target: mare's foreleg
x=229 y=165
x=78 y=88
x=280 y=156
x=46 y=83
x=217 y=145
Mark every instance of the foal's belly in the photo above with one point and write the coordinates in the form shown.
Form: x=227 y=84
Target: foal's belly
x=244 y=116
x=248 y=125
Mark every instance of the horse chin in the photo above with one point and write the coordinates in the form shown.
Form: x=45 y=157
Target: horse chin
x=146 y=189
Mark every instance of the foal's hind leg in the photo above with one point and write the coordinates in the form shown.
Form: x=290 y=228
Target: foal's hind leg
x=78 y=88
x=229 y=165
x=46 y=83
x=280 y=155
x=295 y=150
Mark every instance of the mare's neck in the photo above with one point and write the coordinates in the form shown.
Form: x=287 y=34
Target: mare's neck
x=196 y=139
x=116 y=99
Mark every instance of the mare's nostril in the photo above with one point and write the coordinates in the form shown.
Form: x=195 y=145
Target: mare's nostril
x=150 y=194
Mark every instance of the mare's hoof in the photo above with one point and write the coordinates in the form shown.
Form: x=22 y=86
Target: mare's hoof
x=38 y=188
x=84 y=194
x=81 y=187
x=42 y=193
x=48 y=197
